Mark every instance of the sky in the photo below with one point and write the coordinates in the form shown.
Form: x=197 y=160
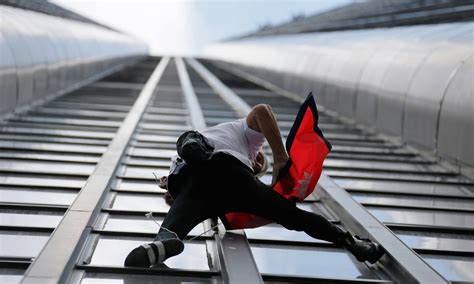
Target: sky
x=185 y=27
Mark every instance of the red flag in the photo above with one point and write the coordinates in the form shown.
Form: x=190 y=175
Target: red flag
x=307 y=149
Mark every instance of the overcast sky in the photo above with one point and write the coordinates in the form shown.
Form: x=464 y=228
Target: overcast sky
x=184 y=27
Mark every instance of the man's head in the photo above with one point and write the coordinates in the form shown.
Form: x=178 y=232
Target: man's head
x=193 y=147
x=260 y=164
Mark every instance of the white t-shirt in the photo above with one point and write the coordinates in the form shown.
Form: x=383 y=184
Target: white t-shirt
x=235 y=138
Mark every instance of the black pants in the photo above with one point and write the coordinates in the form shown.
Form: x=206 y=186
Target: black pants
x=222 y=185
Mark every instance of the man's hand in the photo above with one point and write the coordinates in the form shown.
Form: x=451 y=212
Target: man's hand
x=278 y=165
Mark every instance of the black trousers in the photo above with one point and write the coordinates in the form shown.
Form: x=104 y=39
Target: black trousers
x=222 y=185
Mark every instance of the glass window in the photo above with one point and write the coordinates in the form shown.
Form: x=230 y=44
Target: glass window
x=11 y=276
x=154 y=162
x=30 y=155
x=405 y=187
x=155 y=153
x=40 y=196
x=380 y=165
x=437 y=243
x=112 y=252
x=142 y=172
x=18 y=180
x=45 y=167
x=452 y=268
x=30 y=219
x=423 y=217
x=390 y=175
x=434 y=202
x=307 y=261
x=143 y=202
x=23 y=245
x=279 y=233
x=124 y=184
x=140 y=224
x=97 y=278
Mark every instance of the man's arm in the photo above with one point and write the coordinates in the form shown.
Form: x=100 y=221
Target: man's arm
x=262 y=119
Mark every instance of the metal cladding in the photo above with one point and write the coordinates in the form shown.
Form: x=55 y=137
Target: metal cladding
x=43 y=55
x=414 y=82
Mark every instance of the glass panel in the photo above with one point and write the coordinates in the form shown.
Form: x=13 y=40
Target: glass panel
x=140 y=224
x=48 y=156
x=138 y=185
x=18 y=180
x=379 y=165
x=160 y=163
x=155 y=153
x=21 y=245
x=434 y=202
x=405 y=187
x=56 y=147
x=306 y=261
x=396 y=176
x=112 y=252
x=12 y=218
x=45 y=167
x=143 y=202
x=93 y=278
x=37 y=196
x=423 y=217
x=11 y=276
x=279 y=233
x=437 y=243
x=142 y=172
x=454 y=269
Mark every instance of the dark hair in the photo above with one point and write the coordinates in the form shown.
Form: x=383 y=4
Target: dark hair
x=168 y=198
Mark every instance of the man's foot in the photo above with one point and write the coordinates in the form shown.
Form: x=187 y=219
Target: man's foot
x=154 y=253
x=362 y=249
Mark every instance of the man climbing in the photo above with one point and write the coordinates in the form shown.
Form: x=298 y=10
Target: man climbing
x=216 y=174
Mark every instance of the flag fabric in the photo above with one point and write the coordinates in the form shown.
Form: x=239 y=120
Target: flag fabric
x=307 y=149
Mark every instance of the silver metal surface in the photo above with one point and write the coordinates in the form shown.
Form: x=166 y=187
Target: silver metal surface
x=402 y=81
x=43 y=55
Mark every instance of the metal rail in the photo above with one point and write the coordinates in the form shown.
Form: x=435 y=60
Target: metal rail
x=233 y=247
x=58 y=257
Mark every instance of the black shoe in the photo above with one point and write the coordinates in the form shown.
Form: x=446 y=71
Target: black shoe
x=154 y=253
x=364 y=249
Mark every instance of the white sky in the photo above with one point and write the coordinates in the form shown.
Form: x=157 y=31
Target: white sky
x=184 y=27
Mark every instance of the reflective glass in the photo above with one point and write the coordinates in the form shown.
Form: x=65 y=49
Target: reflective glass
x=48 y=156
x=142 y=172
x=45 y=167
x=437 y=243
x=40 y=196
x=395 y=176
x=140 y=224
x=21 y=245
x=279 y=233
x=55 y=147
x=454 y=269
x=423 y=217
x=434 y=202
x=405 y=187
x=93 y=278
x=161 y=163
x=306 y=261
x=379 y=165
x=125 y=184
x=11 y=276
x=155 y=153
x=112 y=252
x=18 y=180
x=144 y=202
x=11 y=218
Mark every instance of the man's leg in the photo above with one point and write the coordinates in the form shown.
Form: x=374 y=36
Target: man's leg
x=250 y=195
x=187 y=210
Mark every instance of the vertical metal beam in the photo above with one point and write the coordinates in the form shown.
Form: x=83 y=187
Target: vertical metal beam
x=58 y=257
x=236 y=259
x=197 y=118
x=239 y=105
x=237 y=262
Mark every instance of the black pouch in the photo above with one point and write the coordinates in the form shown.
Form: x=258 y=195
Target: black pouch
x=193 y=147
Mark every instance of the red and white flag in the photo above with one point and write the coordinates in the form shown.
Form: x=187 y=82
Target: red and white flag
x=307 y=149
